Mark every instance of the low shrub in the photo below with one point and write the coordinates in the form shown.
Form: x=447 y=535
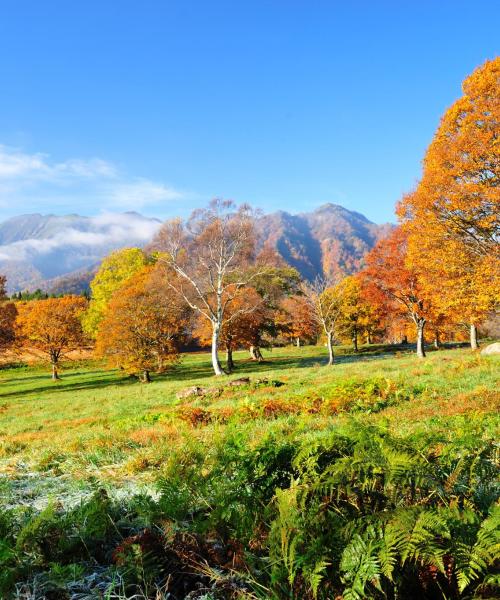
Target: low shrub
x=353 y=511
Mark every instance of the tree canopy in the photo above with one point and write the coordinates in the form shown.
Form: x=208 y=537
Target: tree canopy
x=52 y=326
x=115 y=269
x=145 y=325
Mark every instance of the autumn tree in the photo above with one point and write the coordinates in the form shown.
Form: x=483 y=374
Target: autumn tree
x=274 y=280
x=387 y=270
x=462 y=285
x=243 y=320
x=357 y=315
x=296 y=319
x=375 y=310
x=52 y=326
x=144 y=326
x=458 y=197
x=8 y=314
x=210 y=255
x=439 y=326
x=325 y=298
x=115 y=270
x=453 y=216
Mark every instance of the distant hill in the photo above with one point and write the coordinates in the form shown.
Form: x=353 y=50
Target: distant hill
x=62 y=253
x=77 y=282
x=328 y=240
x=38 y=250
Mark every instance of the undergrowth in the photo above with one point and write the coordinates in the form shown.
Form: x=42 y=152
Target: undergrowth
x=369 y=482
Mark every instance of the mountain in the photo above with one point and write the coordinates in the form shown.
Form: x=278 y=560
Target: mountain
x=62 y=253
x=38 y=250
x=328 y=240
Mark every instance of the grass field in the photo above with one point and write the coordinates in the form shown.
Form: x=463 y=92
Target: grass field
x=100 y=422
x=102 y=430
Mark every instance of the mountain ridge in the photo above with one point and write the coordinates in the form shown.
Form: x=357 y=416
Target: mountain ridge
x=328 y=239
x=62 y=253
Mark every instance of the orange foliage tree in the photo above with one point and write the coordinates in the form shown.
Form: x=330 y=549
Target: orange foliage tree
x=243 y=320
x=378 y=307
x=295 y=319
x=8 y=314
x=144 y=325
x=463 y=286
x=457 y=197
x=453 y=217
x=386 y=269
x=52 y=326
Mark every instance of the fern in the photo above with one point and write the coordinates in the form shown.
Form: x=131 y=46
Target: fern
x=361 y=568
x=316 y=576
x=483 y=553
x=287 y=527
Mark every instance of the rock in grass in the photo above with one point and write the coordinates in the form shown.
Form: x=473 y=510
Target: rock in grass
x=240 y=381
x=491 y=349
x=189 y=392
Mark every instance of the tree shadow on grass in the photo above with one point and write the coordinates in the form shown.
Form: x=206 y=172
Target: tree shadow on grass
x=246 y=366
x=202 y=370
x=63 y=386
x=182 y=373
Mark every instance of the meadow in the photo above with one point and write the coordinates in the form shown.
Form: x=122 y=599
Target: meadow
x=373 y=478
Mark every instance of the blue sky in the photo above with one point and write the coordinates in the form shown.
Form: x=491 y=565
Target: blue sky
x=157 y=106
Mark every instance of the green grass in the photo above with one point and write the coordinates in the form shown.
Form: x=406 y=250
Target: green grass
x=96 y=418
x=361 y=479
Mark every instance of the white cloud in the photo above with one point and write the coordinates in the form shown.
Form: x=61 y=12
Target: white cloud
x=95 y=235
x=140 y=193
x=15 y=164
x=95 y=167
x=37 y=183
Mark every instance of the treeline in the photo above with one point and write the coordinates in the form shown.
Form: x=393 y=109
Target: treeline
x=205 y=279
x=39 y=294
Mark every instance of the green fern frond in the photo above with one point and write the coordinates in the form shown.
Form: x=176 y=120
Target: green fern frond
x=483 y=553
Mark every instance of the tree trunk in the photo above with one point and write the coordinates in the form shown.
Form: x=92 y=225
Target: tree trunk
x=420 y=338
x=298 y=342
x=255 y=353
x=145 y=377
x=355 y=339
x=229 y=359
x=437 y=340
x=215 y=351
x=55 y=374
x=473 y=337
x=329 y=343
x=404 y=340
x=368 y=337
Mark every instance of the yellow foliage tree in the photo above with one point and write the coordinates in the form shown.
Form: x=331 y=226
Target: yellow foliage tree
x=453 y=217
x=114 y=271
x=143 y=326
